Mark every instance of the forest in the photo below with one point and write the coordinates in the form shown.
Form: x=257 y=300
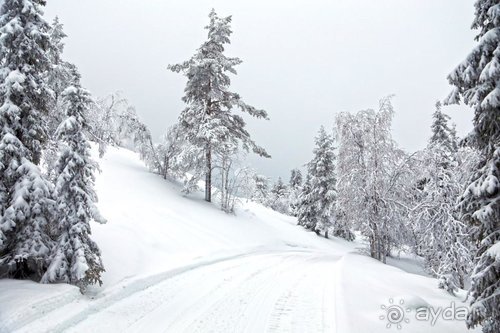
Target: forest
x=441 y=203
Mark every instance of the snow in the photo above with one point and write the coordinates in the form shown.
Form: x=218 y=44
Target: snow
x=177 y=263
x=15 y=79
x=494 y=251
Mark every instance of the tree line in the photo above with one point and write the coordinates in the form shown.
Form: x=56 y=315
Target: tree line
x=442 y=203
x=47 y=174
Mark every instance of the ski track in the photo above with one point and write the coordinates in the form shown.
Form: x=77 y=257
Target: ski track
x=274 y=291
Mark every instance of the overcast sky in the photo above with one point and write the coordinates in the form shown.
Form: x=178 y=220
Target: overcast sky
x=303 y=61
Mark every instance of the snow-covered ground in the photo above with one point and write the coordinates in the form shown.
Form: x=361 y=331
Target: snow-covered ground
x=177 y=264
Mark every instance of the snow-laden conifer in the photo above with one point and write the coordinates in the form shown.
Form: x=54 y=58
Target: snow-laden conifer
x=76 y=258
x=209 y=119
x=278 y=197
x=476 y=81
x=322 y=181
x=23 y=65
x=59 y=77
x=25 y=198
x=295 y=187
x=443 y=240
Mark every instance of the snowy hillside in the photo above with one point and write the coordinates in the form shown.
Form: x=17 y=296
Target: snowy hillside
x=177 y=264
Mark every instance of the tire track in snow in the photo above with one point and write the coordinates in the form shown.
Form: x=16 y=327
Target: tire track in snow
x=102 y=301
x=245 y=308
x=248 y=303
x=281 y=319
x=309 y=305
x=39 y=309
x=236 y=293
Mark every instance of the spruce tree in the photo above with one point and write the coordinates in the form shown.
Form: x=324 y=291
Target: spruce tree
x=59 y=77
x=476 y=81
x=279 y=197
x=306 y=210
x=208 y=120
x=295 y=178
x=261 y=189
x=295 y=185
x=31 y=211
x=24 y=43
x=321 y=193
x=60 y=71
x=441 y=131
x=76 y=259
x=25 y=203
x=443 y=239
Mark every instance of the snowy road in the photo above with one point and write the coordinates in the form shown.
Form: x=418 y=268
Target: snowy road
x=176 y=264
x=289 y=291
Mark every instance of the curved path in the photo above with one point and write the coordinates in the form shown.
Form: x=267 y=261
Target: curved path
x=289 y=291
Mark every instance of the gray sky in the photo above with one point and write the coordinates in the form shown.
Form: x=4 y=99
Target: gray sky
x=303 y=61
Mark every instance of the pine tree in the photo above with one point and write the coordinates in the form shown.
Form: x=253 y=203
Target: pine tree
x=476 y=81
x=261 y=189
x=31 y=211
x=295 y=178
x=443 y=240
x=23 y=57
x=441 y=132
x=306 y=211
x=76 y=259
x=322 y=193
x=455 y=140
x=278 y=199
x=295 y=185
x=208 y=120
x=59 y=77
x=25 y=202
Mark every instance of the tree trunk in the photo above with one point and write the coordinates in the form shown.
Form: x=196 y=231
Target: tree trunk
x=208 y=174
x=165 y=167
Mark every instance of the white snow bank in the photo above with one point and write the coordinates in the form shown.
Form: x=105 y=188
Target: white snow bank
x=154 y=234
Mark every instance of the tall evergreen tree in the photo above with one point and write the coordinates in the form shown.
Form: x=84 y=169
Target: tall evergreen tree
x=295 y=185
x=441 y=131
x=24 y=43
x=278 y=199
x=208 y=119
x=442 y=238
x=306 y=210
x=59 y=77
x=76 y=259
x=31 y=211
x=455 y=140
x=24 y=97
x=476 y=80
x=322 y=193
x=261 y=189
x=295 y=178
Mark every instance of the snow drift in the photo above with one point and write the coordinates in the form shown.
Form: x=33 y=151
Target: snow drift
x=177 y=263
